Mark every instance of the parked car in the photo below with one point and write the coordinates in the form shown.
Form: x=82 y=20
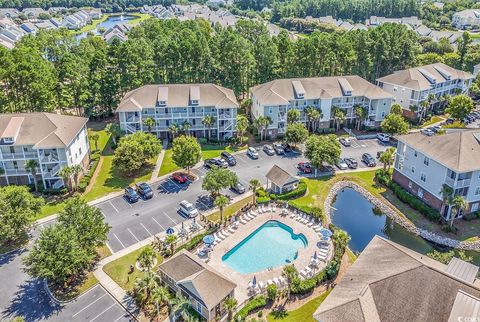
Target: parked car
x=252 y=153
x=230 y=159
x=222 y=163
x=268 y=149
x=449 y=121
x=369 y=160
x=436 y=128
x=144 y=190
x=327 y=168
x=210 y=163
x=187 y=209
x=286 y=147
x=278 y=148
x=342 y=165
x=427 y=132
x=238 y=188
x=305 y=167
x=382 y=137
x=346 y=141
x=179 y=177
x=351 y=162
x=131 y=195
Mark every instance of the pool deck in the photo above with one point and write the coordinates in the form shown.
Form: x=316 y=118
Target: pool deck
x=244 y=230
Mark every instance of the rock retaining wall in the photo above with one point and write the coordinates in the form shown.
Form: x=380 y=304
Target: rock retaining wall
x=395 y=216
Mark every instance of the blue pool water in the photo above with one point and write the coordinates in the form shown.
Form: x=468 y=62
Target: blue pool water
x=272 y=244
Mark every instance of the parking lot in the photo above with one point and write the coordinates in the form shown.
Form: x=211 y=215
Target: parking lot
x=94 y=306
x=135 y=222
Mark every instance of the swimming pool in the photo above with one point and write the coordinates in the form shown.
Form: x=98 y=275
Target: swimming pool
x=271 y=245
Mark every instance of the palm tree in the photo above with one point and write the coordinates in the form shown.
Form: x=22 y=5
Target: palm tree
x=387 y=158
x=242 y=126
x=174 y=129
x=186 y=127
x=145 y=285
x=338 y=116
x=181 y=305
x=293 y=115
x=66 y=174
x=208 y=121
x=95 y=137
x=290 y=273
x=262 y=123
x=360 y=114
x=221 y=201
x=114 y=130
x=230 y=305
x=32 y=166
x=149 y=123
x=254 y=185
x=76 y=170
x=171 y=240
x=315 y=117
x=146 y=258
x=160 y=296
x=446 y=194
x=458 y=204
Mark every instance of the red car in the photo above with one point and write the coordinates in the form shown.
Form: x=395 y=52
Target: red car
x=180 y=177
x=305 y=167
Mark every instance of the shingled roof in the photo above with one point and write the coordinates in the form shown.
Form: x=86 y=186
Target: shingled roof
x=390 y=283
x=280 y=177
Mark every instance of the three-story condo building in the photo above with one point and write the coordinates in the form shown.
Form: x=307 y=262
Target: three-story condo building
x=185 y=105
x=54 y=141
x=275 y=98
x=412 y=86
x=423 y=164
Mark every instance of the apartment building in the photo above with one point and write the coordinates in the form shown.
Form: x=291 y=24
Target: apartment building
x=275 y=98
x=410 y=87
x=180 y=104
x=423 y=164
x=54 y=141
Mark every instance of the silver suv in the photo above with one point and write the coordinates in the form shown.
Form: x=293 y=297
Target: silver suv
x=187 y=209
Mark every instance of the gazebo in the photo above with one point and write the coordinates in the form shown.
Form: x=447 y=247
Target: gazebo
x=280 y=181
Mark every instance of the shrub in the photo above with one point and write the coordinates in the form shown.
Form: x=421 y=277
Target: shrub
x=256 y=303
x=54 y=192
x=300 y=191
x=261 y=200
x=272 y=291
x=195 y=241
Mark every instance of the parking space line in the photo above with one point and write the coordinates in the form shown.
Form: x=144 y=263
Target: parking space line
x=108 y=308
x=86 y=307
x=133 y=234
x=146 y=229
x=158 y=223
x=111 y=204
x=121 y=316
x=173 y=181
x=119 y=240
x=170 y=218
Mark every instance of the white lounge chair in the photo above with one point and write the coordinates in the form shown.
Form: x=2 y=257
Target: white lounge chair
x=282 y=280
x=269 y=282
x=261 y=285
x=218 y=237
x=225 y=233
x=252 y=214
x=309 y=271
x=303 y=273
x=305 y=220
x=260 y=209
x=317 y=228
x=249 y=216
x=293 y=215
x=231 y=230
x=242 y=221
x=311 y=222
x=276 y=281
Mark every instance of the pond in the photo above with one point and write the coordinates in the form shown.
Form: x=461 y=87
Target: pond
x=357 y=216
x=108 y=23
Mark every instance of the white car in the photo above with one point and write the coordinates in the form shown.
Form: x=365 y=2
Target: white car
x=427 y=132
x=342 y=165
x=188 y=209
x=252 y=152
x=383 y=137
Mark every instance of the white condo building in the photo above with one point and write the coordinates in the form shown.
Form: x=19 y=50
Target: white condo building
x=412 y=86
x=275 y=98
x=170 y=104
x=53 y=140
x=423 y=164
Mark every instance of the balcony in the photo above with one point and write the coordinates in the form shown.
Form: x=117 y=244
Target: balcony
x=131 y=128
x=180 y=115
x=463 y=183
x=449 y=181
x=52 y=173
x=16 y=172
x=12 y=156
x=223 y=116
x=52 y=157
x=132 y=119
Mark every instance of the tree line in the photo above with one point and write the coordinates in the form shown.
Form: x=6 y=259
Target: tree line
x=55 y=71
x=107 y=5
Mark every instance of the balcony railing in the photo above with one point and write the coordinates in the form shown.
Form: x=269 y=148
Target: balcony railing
x=132 y=119
x=180 y=115
x=52 y=157
x=16 y=171
x=463 y=183
x=449 y=181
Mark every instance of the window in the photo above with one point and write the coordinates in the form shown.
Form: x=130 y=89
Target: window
x=474 y=207
x=410 y=184
x=420 y=193
x=477 y=191
x=423 y=177
x=413 y=169
x=270 y=110
x=426 y=161
x=415 y=153
x=199 y=307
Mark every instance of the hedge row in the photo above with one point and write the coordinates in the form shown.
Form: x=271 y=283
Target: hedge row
x=255 y=303
x=300 y=191
x=85 y=181
x=195 y=241
x=408 y=198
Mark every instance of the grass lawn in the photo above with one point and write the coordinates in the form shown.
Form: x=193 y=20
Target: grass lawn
x=50 y=208
x=119 y=268
x=304 y=313
x=87 y=283
x=213 y=151
x=140 y=18
x=230 y=210
x=110 y=179
x=103 y=139
x=167 y=164
x=91 y=26
x=433 y=119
